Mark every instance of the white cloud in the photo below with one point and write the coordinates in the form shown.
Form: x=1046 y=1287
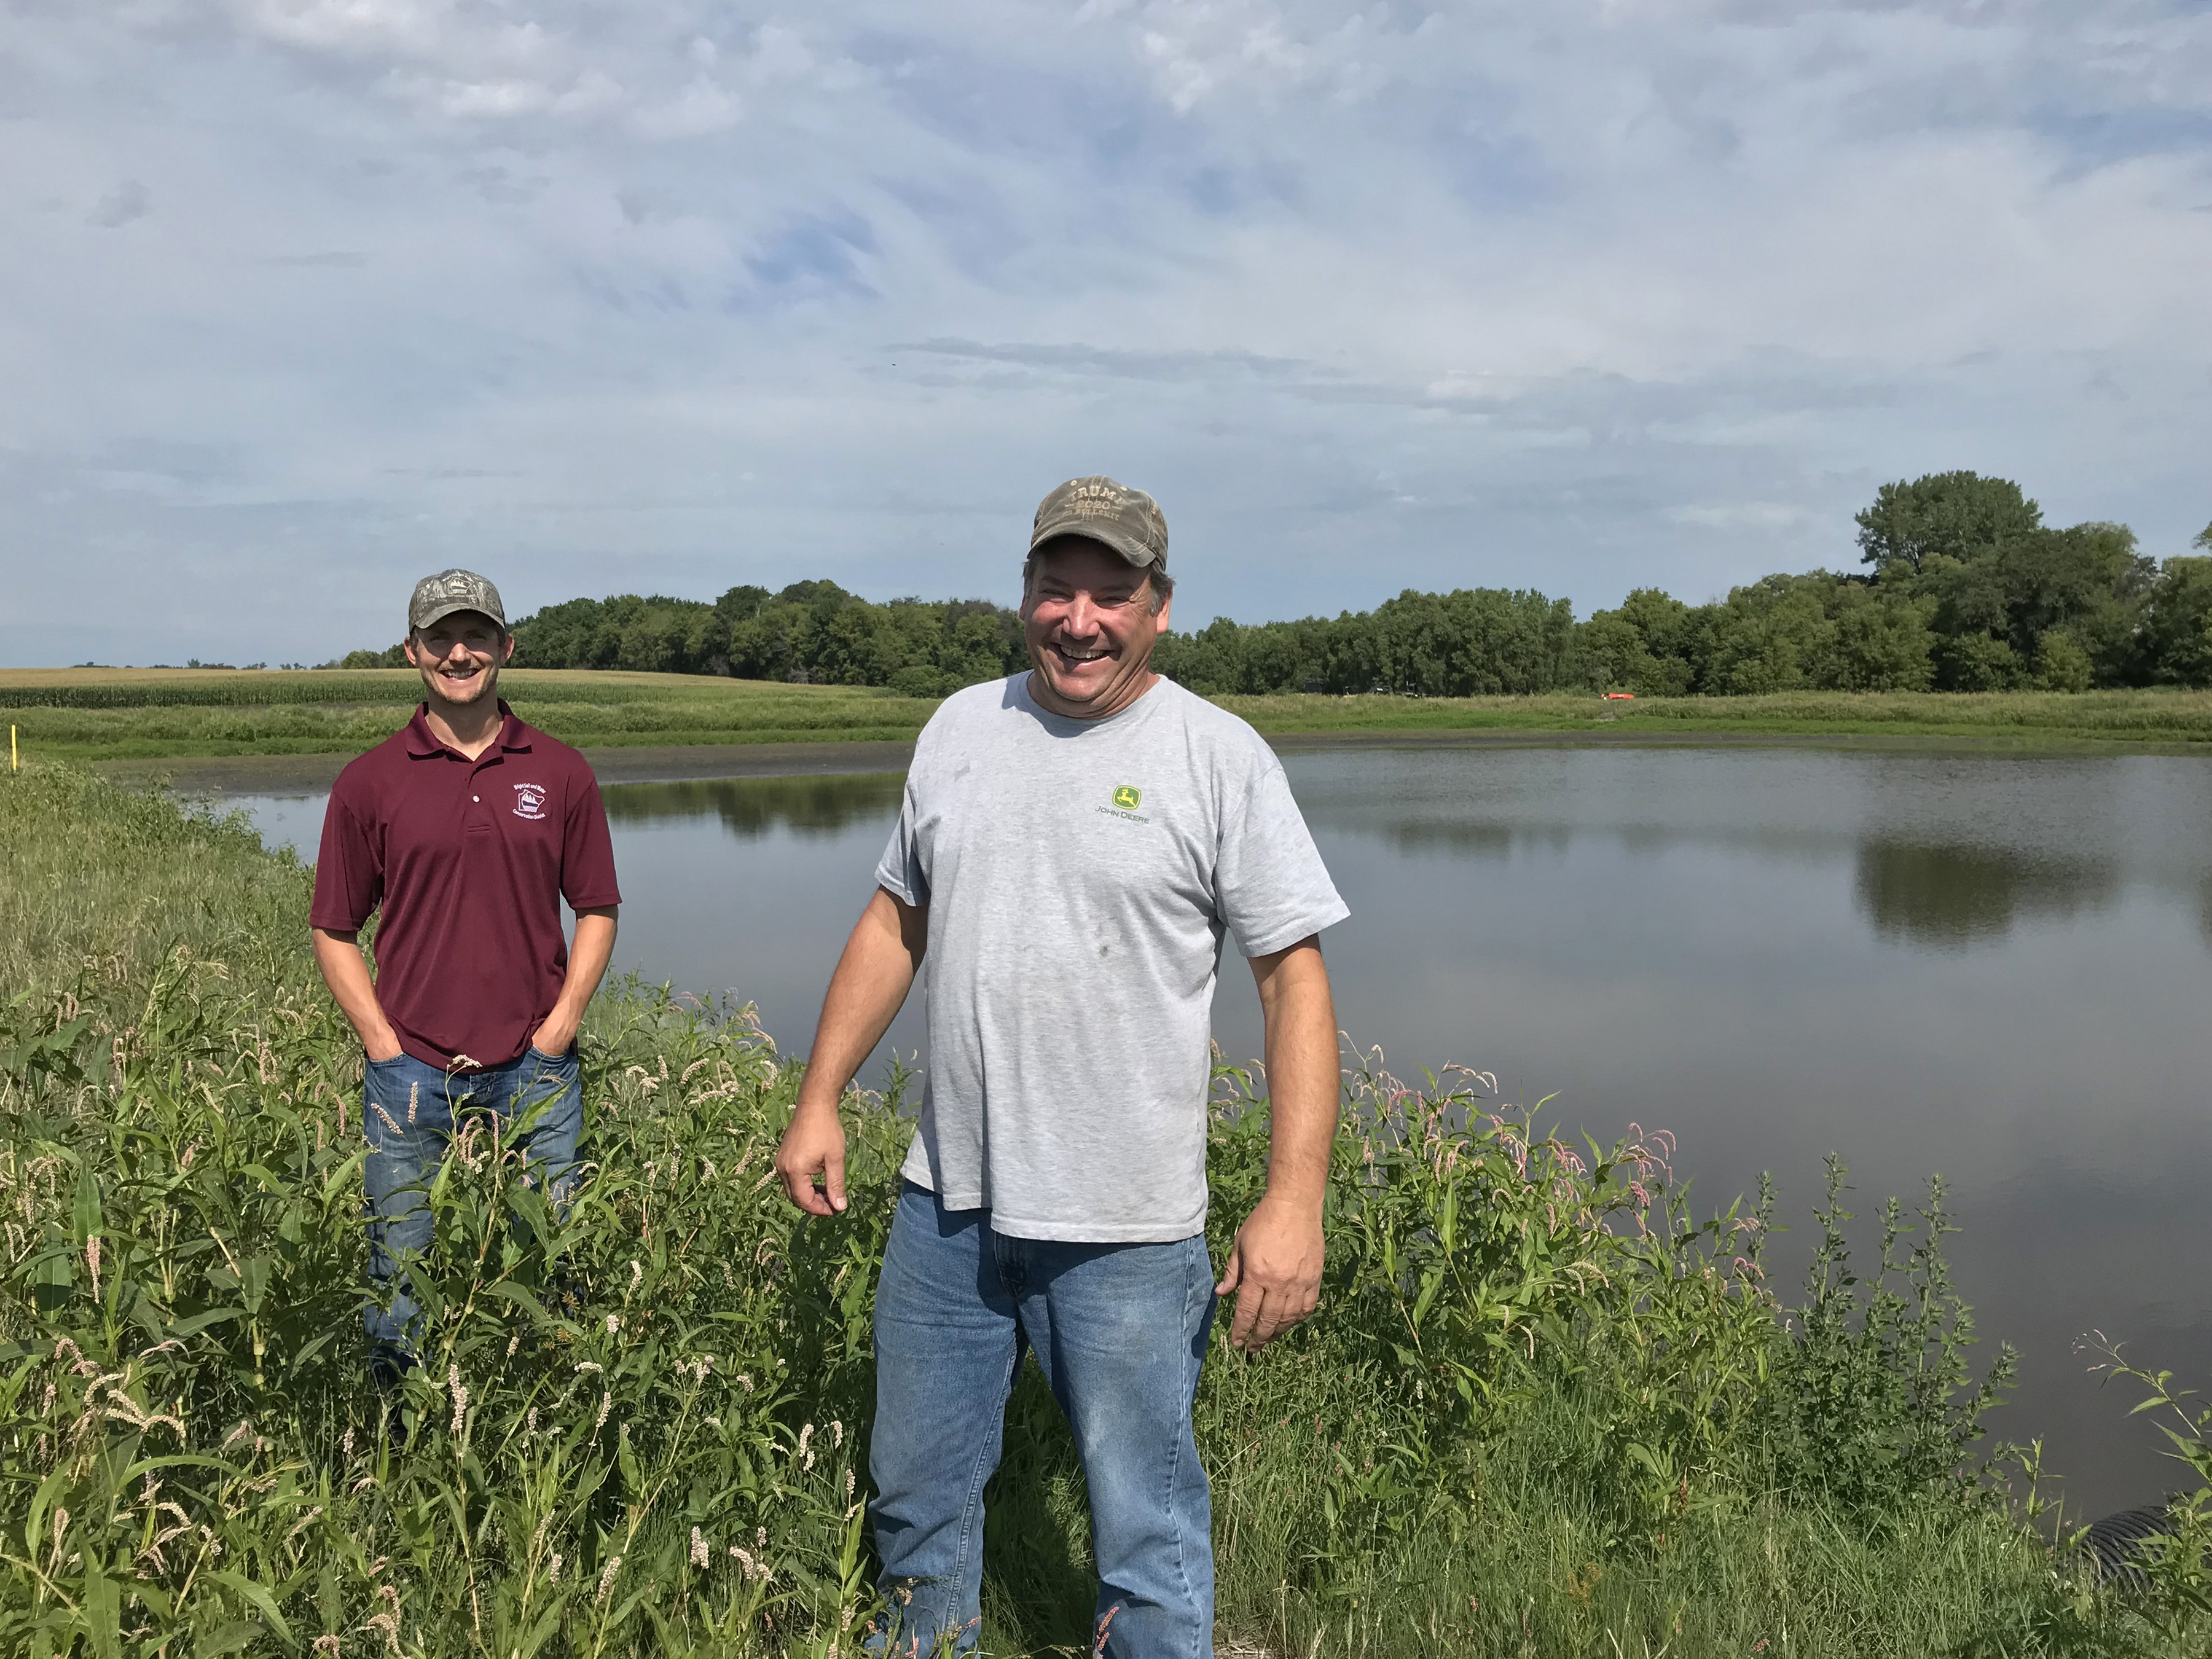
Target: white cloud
x=703 y=107
x=675 y=294
x=349 y=25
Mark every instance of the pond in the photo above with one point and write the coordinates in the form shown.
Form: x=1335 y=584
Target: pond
x=1992 y=967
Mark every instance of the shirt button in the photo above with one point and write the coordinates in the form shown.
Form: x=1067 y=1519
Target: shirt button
x=477 y=798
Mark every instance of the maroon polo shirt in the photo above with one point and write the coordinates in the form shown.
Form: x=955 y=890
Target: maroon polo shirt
x=469 y=860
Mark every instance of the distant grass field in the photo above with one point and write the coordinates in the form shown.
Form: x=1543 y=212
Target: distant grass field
x=96 y=715
x=92 y=714
x=2162 y=717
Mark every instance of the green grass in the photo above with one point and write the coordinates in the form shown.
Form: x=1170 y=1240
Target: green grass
x=2163 y=717
x=117 y=714
x=1542 y=1411
x=100 y=715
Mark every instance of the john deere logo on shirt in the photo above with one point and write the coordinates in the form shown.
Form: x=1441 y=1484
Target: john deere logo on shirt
x=1128 y=796
x=530 y=801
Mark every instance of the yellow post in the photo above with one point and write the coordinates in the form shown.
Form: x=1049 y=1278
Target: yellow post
x=13 y=764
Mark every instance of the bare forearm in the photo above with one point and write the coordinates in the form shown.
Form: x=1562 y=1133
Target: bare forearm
x=873 y=976
x=1302 y=1080
x=345 y=971
x=588 y=956
x=1275 y=1266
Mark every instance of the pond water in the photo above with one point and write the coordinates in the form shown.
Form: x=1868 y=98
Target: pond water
x=1992 y=967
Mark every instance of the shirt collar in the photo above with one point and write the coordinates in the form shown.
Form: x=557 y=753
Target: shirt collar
x=421 y=743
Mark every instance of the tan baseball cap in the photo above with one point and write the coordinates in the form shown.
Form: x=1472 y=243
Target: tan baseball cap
x=450 y=591
x=1127 y=520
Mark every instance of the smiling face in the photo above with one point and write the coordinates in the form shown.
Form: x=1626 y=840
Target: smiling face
x=459 y=657
x=1089 y=624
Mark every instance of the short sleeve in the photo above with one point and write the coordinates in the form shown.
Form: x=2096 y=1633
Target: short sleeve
x=1269 y=881
x=899 y=872
x=587 y=848
x=348 y=870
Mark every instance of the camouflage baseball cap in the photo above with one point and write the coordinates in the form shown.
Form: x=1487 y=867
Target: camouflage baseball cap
x=450 y=591
x=1127 y=520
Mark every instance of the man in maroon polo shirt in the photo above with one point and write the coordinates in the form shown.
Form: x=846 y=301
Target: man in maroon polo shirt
x=466 y=829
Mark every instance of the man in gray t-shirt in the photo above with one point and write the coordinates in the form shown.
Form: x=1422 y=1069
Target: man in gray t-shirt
x=1074 y=846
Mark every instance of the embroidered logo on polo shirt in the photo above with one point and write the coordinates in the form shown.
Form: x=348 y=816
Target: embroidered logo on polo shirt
x=530 y=801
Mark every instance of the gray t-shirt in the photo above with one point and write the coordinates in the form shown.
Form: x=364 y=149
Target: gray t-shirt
x=1080 y=876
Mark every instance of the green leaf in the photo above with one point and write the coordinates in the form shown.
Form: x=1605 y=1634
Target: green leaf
x=542 y=1632
x=41 y=1501
x=309 y=1349
x=103 y=1612
x=200 y=1321
x=1431 y=1282
x=84 y=1211
x=262 y=1600
x=155 y=1598
x=53 y=1277
x=521 y=1296
x=144 y=1466
x=233 y=1637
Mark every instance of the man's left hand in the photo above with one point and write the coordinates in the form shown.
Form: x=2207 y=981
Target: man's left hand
x=1274 y=1267
x=555 y=1036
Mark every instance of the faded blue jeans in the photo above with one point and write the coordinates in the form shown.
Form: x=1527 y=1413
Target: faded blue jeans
x=1120 y=1331
x=408 y=1109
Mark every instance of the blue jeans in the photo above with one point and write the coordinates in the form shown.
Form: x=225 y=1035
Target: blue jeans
x=408 y=1109
x=1120 y=1331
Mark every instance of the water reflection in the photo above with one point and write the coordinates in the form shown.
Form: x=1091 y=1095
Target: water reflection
x=1957 y=896
x=1490 y=841
x=751 y=807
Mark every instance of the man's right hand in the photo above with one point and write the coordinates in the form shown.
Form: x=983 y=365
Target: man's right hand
x=814 y=1146
x=872 y=980
x=346 y=972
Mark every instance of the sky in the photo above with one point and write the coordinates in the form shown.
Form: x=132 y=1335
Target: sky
x=301 y=299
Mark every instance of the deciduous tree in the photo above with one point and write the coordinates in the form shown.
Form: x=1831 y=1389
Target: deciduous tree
x=1940 y=515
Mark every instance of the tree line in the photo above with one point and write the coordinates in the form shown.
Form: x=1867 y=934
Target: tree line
x=811 y=633
x=1962 y=587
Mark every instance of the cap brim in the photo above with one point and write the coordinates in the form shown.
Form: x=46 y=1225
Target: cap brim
x=1091 y=531
x=439 y=613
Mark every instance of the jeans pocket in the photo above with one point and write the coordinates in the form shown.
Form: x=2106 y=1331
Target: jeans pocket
x=391 y=1098
x=544 y=1059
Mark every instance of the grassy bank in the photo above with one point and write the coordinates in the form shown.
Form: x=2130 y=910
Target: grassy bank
x=1543 y=1411
x=115 y=714
x=1997 y=718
